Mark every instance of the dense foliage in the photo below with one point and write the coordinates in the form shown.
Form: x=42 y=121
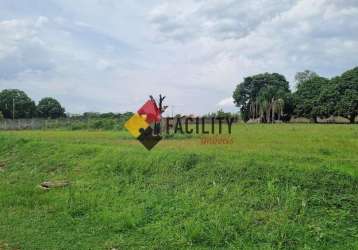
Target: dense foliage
x=50 y=108
x=263 y=96
x=267 y=97
x=307 y=97
x=306 y=75
x=347 y=91
x=15 y=103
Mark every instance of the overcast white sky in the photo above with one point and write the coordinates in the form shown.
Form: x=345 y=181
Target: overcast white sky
x=109 y=55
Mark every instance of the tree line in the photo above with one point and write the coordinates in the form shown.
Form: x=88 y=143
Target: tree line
x=16 y=104
x=267 y=97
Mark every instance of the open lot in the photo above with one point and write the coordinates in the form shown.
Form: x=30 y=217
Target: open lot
x=284 y=186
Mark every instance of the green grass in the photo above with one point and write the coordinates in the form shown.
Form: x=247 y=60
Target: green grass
x=277 y=187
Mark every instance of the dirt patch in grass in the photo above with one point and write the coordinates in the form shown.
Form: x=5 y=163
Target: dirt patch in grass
x=2 y=169
x=54 y=184
x=5 y=246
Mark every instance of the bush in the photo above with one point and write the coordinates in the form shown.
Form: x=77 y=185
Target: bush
x=104 y=123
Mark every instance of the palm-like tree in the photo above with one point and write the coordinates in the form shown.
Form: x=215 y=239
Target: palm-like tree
x=280 y=103
x=268 y=105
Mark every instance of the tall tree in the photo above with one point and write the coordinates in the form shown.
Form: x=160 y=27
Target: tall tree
x=262 y=96
x=306 y=75
x=16 y=104
x=347 y=91
x=307 y=97
x=340 y=97
x=50 y=108
x=328 y=99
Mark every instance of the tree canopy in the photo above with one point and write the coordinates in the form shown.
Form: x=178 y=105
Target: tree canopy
x=347 y=89
x=263 y=96
x=16 y=104
x=335 y=97
x=306 y=75
x=267 y=97
x=307 y=97
x=50 y=108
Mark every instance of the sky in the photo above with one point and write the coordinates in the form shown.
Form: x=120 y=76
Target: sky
x=110 y=55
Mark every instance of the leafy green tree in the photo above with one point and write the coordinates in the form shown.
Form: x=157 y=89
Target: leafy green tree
x=306 y=75
x=307 y=97
x=347 y=91
x=328 y=99
x=264 y=96
x=340 y=97
x=50 y=108
x=16 y=104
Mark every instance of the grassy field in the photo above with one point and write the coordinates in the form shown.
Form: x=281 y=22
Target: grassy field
x=279 y=186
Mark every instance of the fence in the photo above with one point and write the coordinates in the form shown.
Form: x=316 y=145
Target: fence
x=64 y=123
x=75 y=123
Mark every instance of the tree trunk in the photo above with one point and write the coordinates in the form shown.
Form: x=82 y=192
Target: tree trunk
x=256 y=110
x=273 y=110
x=352 y=119
x=314 y=119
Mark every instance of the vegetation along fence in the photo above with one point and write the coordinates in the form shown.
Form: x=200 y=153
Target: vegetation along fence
x=63 y=123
